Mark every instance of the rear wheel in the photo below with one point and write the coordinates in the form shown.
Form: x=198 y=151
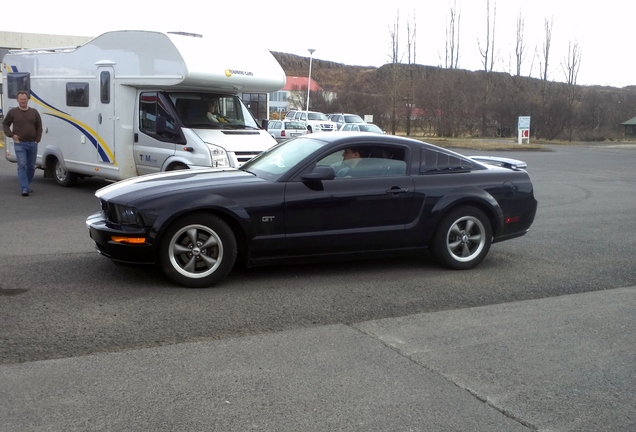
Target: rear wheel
x=198 y=250
x=462 y=239
x=64 y=177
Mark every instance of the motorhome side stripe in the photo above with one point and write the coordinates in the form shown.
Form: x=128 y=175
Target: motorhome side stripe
x=104 y=152
x=40 y=102
x=101 y=147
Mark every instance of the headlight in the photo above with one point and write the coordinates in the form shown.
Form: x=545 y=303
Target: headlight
x=219 y=156
x=125 y=215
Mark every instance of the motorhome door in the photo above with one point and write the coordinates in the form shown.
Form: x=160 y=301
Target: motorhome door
x=155 y=142
x=106 y=114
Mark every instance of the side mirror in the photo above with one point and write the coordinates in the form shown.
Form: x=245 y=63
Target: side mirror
x=320 y=173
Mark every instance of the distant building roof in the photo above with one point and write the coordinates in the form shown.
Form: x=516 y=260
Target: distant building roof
x=296 y=83
x=18 y=40
x=630 y=122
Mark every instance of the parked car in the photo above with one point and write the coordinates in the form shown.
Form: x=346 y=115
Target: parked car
x=341 y=119
x=281 y=130
x=397 y=195
x=290 y=115
x=361 y=127
x=315 y=121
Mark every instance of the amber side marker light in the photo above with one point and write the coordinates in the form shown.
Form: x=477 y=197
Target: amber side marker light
x=131 y=240
x=512 y=219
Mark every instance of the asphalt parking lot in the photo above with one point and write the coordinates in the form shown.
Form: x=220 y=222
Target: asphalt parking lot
x=539 y=337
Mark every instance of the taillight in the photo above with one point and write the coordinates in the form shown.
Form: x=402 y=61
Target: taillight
x=282 y=133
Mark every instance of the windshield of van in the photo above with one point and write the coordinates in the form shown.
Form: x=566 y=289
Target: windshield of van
x=317 y=116
x=212 y=111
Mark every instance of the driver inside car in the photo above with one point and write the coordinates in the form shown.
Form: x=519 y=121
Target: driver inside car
x=214 y=114
x=350 y=158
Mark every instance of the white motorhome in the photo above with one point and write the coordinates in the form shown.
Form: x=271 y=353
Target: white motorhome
x=136 y=102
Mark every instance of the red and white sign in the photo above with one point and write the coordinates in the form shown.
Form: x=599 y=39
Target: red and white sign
x=523 y=126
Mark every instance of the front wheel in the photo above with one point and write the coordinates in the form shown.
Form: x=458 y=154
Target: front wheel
x=178 y=166
x=462 y=239
x=62 y=176
x=198 y=250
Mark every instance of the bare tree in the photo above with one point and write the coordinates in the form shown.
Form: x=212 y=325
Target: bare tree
x=546 y=48
x=394 y=32
x=545 y=120
x=570 y=66
x=451 y=60
x=535 y=56
x=488 y=58
x=297 y=97
x=399 y=85
x=488 y=50
x=572 y=63
x=410 y=40
x=520 y=48
x=410 y=44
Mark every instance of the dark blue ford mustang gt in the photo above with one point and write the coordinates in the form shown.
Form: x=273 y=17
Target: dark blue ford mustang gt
x=317 y=197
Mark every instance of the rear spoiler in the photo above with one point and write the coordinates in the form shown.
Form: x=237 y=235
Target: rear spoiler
x=513 y=164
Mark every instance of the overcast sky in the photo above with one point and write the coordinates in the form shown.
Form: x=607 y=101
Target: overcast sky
x=356 y=32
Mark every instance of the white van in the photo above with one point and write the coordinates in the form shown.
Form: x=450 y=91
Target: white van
x=315 y=121
x=136 y=102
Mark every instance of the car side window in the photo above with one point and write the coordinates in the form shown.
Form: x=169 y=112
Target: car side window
x=366 y=161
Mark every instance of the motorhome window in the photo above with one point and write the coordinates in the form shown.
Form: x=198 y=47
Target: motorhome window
x=152 y=106
x=77 y=94
x=104 y=87
x=212 y=111
x=17 y=82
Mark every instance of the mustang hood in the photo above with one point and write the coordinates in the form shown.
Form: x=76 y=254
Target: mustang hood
x=174 y=181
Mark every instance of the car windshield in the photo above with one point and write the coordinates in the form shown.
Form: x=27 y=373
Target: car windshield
x=353 y=119
x=278 y=160
x=295 y=125
x=369 y=128
x=316 y=116
x=212 y=111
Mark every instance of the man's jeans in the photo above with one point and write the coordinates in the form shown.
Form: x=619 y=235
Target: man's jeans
x=26 y=152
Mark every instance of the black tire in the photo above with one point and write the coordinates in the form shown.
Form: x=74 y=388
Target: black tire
x=198 y=250
x=309 y=129
x=462 y=238
x=62 y=176
x=178 y=166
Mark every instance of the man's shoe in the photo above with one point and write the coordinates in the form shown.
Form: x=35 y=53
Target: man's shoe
x=25 y=192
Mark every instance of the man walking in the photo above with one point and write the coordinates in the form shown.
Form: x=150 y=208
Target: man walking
x=26 y=134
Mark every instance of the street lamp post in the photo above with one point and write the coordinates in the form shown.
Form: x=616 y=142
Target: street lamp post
x=311 y=52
